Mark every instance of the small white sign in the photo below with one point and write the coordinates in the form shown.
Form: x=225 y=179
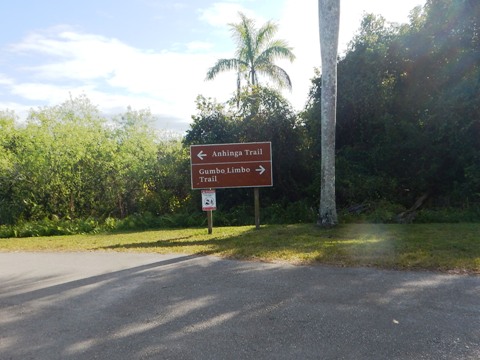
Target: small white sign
x=209 y=201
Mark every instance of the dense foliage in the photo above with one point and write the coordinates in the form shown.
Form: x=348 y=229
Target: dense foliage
x=264 y=115
x=408 y=124
x=69 y=162
x=408 y=119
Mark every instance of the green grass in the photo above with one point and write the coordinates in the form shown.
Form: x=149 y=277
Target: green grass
x=441 y=247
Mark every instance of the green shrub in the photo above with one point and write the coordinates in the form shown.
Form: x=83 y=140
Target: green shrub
x=448 y=215
x=296 y=212
x=182 y=219
x=237 y=216
x=381 y=211
x=50 y=227
x=290 y=213
x=6 y=231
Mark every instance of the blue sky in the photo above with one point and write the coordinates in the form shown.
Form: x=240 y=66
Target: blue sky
x=152 y=54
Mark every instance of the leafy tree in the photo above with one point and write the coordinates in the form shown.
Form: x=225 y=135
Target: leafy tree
x=408 y=113
x=8 y=149
x=211 y=125
x=69 y=162
x=62 y=158
x=255 y=54
x=134 y=158
x=169 y=189
x=263 y=115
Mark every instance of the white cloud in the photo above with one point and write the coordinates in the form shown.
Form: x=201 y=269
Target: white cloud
x=5 y=80
x=47 y=93
x=113 y=74
x=299 y=27
x=199 y=46
x=221 y=14
x=76 y=56
x=21 y=110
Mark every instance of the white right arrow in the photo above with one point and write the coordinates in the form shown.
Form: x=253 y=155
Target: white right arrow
x=260 y=170
x=201 y=155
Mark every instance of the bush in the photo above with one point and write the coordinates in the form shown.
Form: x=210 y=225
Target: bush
x=237 y=216
x=50 y=227
x=381 y=211
x=448 y=215
x=6 y=231
x=183 y=219
x=297 y=212
x=290 y=213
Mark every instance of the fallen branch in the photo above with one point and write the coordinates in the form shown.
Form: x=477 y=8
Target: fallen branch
x=409 y=215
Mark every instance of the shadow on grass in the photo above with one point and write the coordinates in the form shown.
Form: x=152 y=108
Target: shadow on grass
x=450 y=247
x=296 y=243
x=218 y=243
x=151 y=244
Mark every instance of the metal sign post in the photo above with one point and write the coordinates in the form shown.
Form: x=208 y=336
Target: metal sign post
x=209 y=203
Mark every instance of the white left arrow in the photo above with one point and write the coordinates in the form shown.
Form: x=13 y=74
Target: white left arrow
x=201 y=155
x=260 y=170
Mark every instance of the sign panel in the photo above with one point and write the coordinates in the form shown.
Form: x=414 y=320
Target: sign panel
x=231 y=165
x=209 y=201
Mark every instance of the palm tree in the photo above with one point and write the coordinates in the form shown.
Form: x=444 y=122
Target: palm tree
x=255 y=54
x=329 y=21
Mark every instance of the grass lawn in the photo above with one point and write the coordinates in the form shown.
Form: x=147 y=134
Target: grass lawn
x=441 y=247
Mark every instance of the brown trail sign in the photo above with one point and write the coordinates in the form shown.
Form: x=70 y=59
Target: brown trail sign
x=237 y=165
x=231 y=165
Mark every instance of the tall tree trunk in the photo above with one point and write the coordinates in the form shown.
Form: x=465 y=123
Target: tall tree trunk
x=329 y=20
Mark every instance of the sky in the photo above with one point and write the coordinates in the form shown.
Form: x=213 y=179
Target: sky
x=154 y=54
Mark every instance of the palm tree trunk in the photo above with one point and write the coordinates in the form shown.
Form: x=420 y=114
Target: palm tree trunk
x=239 y=88
x=329 y=19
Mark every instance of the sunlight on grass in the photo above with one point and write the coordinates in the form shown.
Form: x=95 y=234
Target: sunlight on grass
x=445 y=247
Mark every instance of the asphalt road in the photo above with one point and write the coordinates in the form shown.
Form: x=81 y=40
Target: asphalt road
x=145 y=306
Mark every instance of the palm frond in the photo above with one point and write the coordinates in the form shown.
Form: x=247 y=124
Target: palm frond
x=265 y=34
x=223 y=65
x=244 y=34
x=277 y=49
x=277 y=74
